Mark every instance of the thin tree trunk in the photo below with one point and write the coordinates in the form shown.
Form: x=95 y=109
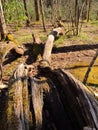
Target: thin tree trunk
x=42 y=14
x=76 y=17
x=54 y=11
x=88 y=10
x=36 y=10
x=3 y=29
x=26 y=13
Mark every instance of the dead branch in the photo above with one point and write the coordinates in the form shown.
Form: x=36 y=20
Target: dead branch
x=56 y=32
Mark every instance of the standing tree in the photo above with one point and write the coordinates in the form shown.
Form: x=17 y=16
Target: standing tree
x=3 y=29
x=87 y=9
x=26 y=13
x=36 y=10
x=42 y=14
x=54 y=11
x=76 y=17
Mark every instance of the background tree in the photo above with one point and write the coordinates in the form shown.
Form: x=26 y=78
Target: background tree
x=54 y=11
x=42 y=14
x=26 y=13
x=3 y=29
x=36 y=5
x=88 y=9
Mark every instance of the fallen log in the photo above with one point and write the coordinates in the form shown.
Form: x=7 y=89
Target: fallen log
x=5 y=48
x=53 y=100
x=78 y=102
x=55 y=33
x=18 y=101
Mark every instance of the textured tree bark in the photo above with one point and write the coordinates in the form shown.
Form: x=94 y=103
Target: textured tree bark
x=18 y=110
x=79 y=103
x=37 y=101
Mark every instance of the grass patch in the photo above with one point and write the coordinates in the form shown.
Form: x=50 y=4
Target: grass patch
x=25 y=39
x=94 y=22
x=59 y=41
x=84 y=37
x=79 y=70
x=43 y=38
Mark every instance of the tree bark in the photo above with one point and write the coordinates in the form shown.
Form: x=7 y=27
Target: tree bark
x=18 y=111
x=3 y=29
x=81 y=107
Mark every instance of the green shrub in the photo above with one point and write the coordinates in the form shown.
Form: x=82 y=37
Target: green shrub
x=14 y=12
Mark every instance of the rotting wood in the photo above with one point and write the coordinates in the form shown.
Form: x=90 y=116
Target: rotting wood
x=18 y=111
x=4 y=50
x=57 y=101
x=37 y=102
x=79 y=103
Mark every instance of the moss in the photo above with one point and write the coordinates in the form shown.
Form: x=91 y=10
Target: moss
x=9 y=37
x=79 y=70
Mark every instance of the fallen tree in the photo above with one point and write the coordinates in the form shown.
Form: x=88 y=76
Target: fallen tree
x=42 y=98
x=53 y=100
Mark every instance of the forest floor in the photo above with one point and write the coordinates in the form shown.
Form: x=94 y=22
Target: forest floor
x=73 y=54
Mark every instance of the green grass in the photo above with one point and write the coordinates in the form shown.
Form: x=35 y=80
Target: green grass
x=94 y=22
x=25 y=39
x=59 y=41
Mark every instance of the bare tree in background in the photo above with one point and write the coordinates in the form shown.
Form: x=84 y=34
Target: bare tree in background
x=37 y=10
x=26 y=13
x=42 y=14
x=3 y=29
x=54 y=11
x=87 y=9
x=76 y=17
